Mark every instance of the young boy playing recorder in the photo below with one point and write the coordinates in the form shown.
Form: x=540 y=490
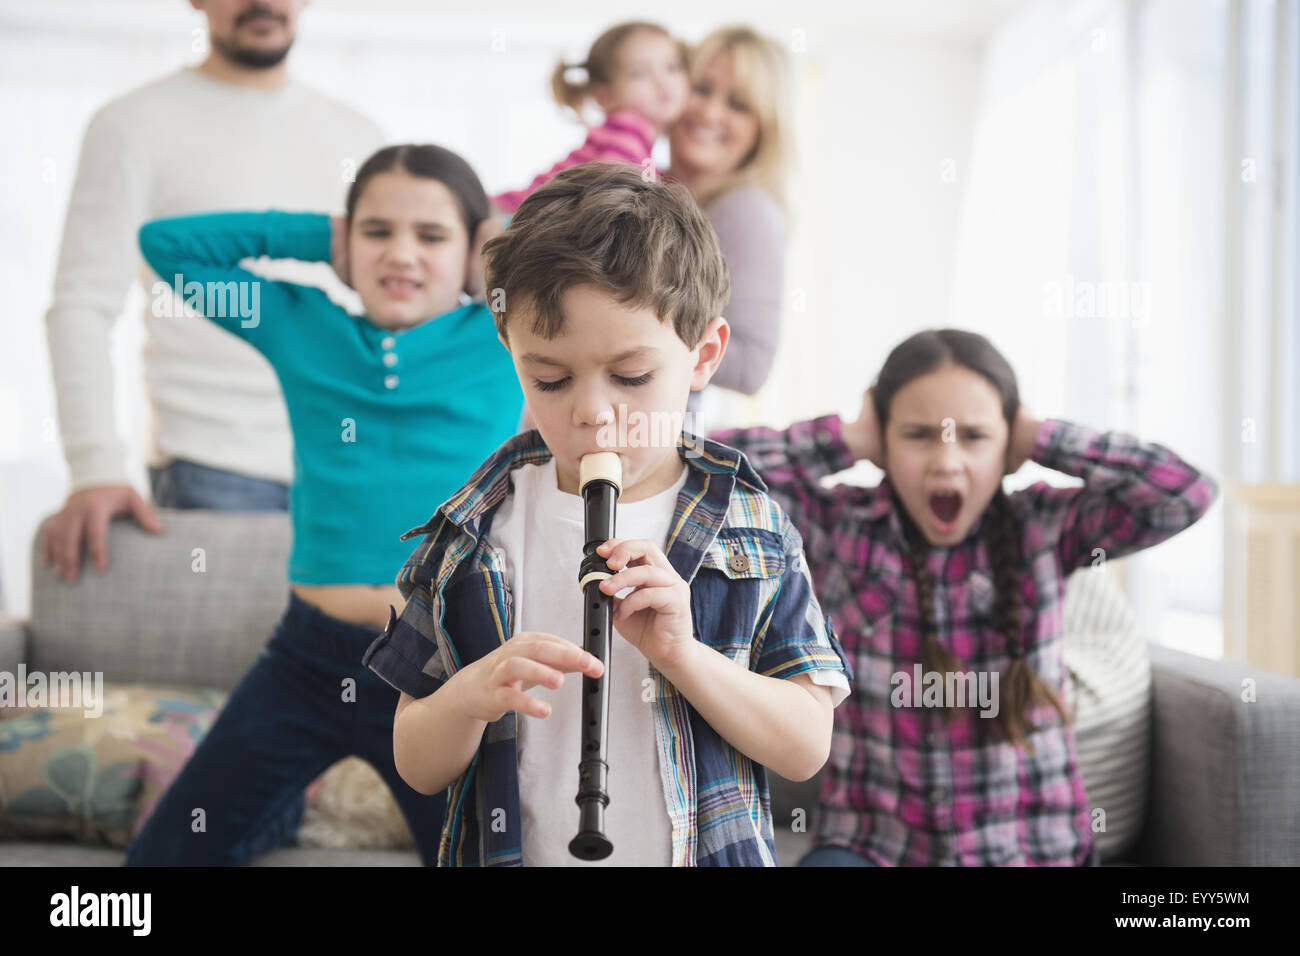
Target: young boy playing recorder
x=606 y=291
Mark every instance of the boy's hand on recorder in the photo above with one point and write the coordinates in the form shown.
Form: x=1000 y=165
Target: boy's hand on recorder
x=339 y=248
x=495 y=684
x=1021 y=440
x=656 y=617
x=863 y=435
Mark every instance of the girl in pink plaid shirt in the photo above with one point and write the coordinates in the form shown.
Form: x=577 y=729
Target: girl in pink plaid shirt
x=956 y=747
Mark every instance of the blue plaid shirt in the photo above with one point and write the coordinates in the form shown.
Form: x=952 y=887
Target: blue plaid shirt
x=751 y=599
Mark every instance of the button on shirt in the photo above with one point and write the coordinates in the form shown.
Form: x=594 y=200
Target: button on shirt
x=766 y=618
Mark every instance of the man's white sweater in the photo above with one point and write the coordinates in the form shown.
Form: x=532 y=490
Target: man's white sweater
x=182 y=144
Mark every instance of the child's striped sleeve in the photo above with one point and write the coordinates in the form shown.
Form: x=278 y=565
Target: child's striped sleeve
x=406 y=654
x=793 y=635
x=625 y=137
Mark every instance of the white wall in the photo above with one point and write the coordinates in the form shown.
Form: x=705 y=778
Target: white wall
x=884 y=150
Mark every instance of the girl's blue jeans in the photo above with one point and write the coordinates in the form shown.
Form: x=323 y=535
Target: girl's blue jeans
x=294 y=714
x=839 y=856
x=833 y=856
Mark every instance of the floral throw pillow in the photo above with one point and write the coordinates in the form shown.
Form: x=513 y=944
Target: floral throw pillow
x=96 y=779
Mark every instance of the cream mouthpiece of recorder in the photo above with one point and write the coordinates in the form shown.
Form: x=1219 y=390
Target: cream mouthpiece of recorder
x=601 y=465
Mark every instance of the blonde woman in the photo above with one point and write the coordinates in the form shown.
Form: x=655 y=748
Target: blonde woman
x=731 y=149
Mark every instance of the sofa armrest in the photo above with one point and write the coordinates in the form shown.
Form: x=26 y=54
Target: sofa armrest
x=1225 y=785
x=13 y=643
x=192 y=606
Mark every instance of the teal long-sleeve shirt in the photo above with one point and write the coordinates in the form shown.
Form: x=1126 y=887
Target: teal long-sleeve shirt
x=386 y=424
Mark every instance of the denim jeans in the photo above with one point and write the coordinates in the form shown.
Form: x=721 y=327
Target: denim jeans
x=187 y=484
x=833 y=856
x=839 y=856
x=293 y=715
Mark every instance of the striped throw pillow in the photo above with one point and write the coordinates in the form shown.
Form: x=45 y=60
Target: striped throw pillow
x=1109 y=688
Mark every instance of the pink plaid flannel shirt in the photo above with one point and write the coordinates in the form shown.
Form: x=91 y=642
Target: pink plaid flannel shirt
x=903 y=787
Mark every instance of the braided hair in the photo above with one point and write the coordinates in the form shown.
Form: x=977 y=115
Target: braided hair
x=1020 y=686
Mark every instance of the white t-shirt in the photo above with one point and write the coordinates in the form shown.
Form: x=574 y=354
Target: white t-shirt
x=540 y=528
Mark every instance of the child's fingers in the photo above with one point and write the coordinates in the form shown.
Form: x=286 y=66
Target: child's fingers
x=643 y=575
x=620 y=551
x=526 y=672
x=508 y=698
x=561 y=654
x=663 y=600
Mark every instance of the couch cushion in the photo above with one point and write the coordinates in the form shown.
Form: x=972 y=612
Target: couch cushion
x=1226 y=770
x=62 y=853
x=193 y=605
x=350 y=806
x=96 y=780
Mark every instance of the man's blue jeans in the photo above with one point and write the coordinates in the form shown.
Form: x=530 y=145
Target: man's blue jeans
x=293 y=715
x=187 y=484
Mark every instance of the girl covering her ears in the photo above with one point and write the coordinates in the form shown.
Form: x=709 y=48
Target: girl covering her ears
x=636 y=74
x=386 y=409
x=937 y=566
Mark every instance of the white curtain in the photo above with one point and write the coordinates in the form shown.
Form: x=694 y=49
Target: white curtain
x=1107 y=247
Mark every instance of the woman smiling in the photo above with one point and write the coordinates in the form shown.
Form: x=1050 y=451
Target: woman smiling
x=731 y=149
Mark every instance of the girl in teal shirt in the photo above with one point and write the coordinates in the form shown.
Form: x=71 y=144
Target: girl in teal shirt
x=388 y=410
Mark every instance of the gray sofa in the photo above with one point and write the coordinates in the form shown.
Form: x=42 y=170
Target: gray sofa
x=195 y=605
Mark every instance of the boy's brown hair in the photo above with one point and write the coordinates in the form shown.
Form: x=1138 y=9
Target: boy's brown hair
x=645 y=242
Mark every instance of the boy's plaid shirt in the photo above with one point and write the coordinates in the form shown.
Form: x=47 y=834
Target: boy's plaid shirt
x=902 y=788
x=751 y=599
